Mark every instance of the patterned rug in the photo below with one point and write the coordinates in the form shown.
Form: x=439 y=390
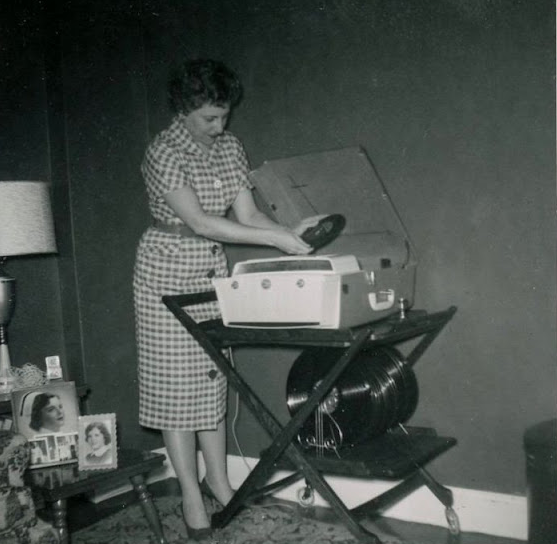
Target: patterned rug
x=268 y=524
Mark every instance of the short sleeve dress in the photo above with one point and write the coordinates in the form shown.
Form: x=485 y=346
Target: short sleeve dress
x=180 y=387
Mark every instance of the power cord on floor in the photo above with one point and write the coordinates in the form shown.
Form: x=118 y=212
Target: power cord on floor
x=238 y=447
x=237 y=415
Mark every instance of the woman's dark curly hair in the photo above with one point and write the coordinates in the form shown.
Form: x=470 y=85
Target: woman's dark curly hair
x=203 y=81
x=39 y=402
x=102 y=429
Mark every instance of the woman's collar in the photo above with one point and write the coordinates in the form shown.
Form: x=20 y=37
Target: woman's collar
x=100 y=451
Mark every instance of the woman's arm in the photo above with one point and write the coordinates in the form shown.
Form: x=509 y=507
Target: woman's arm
x=248 y=213
x=253 y=226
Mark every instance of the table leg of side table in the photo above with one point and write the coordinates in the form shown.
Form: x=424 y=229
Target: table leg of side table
x=146 y=502
x=60 y=522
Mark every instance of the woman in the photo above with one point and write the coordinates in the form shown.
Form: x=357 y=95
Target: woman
x=47 y=414
x=194 y=171
x=98 y=438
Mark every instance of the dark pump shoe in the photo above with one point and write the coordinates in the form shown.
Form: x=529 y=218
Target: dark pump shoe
x=196 y=534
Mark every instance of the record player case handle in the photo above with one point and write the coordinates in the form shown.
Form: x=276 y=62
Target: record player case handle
x=382 y=300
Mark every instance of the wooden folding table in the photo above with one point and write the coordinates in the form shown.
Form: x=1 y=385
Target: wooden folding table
x=398 y=454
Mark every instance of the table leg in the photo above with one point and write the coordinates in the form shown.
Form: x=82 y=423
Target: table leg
x=146 y=502
x=59 y=518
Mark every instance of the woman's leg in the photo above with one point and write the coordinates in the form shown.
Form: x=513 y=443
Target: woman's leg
x=213 y=447
x=181 y=448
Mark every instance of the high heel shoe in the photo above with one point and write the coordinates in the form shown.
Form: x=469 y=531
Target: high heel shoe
x=205 y=488
x=196 y=534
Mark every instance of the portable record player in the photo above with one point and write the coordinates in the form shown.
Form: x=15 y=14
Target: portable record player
x=374 y=239
x=329 y=292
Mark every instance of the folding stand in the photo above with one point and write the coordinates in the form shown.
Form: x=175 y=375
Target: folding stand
x=393 y=455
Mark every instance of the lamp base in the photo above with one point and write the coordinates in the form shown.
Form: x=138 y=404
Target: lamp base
x=6 y=377
x=7 y=306
x=7 y=295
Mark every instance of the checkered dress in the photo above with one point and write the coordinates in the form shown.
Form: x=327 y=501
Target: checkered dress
x=180 y=387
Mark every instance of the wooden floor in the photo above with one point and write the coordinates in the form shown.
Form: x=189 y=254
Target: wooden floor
x=82 y=512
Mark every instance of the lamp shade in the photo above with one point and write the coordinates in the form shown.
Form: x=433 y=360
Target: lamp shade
x=26 y=224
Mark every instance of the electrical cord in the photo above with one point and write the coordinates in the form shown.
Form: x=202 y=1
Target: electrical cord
x=236 y=416
x=235 y=419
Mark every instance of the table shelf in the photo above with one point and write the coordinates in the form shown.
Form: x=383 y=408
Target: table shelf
x=389 y=456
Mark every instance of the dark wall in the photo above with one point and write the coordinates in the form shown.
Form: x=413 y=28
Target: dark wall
x=36 y=329
x=455 y=105
x=454 y=102
x=104 y=89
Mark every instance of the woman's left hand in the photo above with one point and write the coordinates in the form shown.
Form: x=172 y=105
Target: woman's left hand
x=307 y=223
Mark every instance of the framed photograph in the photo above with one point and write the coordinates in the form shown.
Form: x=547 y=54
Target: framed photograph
x=97 y=442
x=49 y=409
x=53 y=449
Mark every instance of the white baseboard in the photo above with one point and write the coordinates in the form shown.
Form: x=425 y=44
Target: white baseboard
x=484 y=512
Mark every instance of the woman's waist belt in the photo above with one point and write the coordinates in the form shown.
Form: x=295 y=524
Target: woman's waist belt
x=182 y=230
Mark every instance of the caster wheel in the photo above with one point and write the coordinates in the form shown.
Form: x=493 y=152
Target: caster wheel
x=305 y=496
x=452 y=520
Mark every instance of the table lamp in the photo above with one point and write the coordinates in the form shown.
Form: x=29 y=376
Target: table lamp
x=26 y=227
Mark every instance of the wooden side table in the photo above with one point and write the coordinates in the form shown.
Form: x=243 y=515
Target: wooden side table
x=55 y=485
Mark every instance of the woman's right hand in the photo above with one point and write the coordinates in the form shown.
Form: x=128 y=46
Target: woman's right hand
x=290 y=243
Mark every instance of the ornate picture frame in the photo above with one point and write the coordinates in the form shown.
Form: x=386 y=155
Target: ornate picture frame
x=97 y=442
x=48 y=416
x=48 y=409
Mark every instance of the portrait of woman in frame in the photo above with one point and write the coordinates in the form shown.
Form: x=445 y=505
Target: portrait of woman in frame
x=97 y=442
x=46 y=410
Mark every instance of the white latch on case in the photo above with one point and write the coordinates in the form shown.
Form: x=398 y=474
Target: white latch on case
x=382 y=300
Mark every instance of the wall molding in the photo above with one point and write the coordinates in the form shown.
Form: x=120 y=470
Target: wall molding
x=484 y=512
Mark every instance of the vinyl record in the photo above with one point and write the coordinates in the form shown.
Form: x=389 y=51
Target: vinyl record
x=376 y=391
x=325 y=231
